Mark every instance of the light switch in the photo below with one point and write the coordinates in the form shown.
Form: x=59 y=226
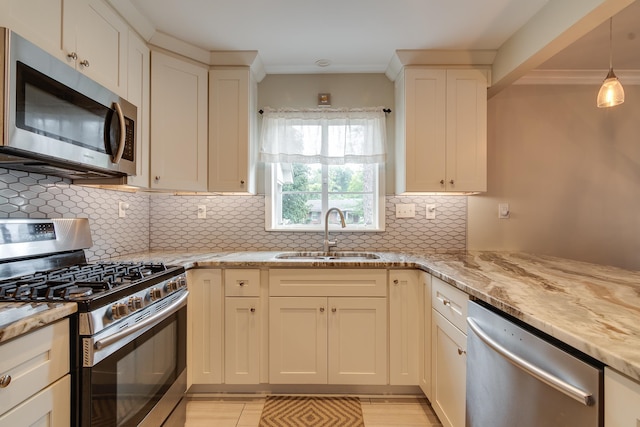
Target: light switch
x=405 y=210
x=503 y=211
x=202 y=211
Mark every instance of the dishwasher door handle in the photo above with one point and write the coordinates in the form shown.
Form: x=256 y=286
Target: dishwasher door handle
x=551 y=380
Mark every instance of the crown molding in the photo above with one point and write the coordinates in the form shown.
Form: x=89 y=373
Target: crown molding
x=576 y=77
x=442 y=57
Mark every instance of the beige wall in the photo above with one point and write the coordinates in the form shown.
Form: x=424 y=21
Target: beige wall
x=569 y=171
x=347 y=91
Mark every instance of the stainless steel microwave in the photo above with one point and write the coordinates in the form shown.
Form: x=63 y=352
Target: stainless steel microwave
x=57 y=121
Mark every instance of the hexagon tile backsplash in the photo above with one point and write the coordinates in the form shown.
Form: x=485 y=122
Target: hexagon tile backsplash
x=30 y=195
x=234 y=223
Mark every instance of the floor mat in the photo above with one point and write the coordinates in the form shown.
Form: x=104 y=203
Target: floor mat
x=311 y=411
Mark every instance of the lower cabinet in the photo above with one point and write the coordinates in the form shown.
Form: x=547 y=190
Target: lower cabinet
x=34 y=371
x=405 y=297
x=622 y=400
x=448 y=353
x=204 y=330
x=424 y=341
x=328 y=340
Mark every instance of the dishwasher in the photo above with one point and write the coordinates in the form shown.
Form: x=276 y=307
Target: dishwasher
x=520 y=377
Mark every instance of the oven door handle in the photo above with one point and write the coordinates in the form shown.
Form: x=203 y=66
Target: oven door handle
x=546 y=377
x=156 y=318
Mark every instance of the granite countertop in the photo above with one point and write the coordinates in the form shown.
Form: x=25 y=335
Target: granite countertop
x=593 y=308
x=18 y=318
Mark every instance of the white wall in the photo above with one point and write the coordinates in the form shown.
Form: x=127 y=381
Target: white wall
x=569 y=171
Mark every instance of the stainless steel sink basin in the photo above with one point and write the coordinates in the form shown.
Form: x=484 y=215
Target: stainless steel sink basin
x=328 y=256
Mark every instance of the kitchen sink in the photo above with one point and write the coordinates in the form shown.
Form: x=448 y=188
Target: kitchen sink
x=328 y=256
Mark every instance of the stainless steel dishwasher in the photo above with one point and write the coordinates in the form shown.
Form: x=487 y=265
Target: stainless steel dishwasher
x=519 y=377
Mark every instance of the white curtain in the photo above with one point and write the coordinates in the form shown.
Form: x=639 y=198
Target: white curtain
x=327 y=136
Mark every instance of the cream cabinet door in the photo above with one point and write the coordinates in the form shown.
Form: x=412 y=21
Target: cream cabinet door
x=138 y=81
x=404 y=326
x=232 y=127
x=242 y=340
x=298 y=340
x=204 y=330
x=357 y=341
x=178 y=124
x=97 y=36
x=39 y=21
x=50 y=407
x=448 y=373
x=622 y=400
x=466 y=141
x=424 y=372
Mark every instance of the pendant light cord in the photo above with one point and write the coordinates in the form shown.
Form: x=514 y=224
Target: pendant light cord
x=610 y=43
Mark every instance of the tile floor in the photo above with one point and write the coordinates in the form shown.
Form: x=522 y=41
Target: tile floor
x=245 y=412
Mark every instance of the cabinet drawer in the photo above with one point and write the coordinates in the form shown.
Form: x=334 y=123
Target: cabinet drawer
x=242 y=282
x=33 y=361
x=450 y=302
x=52 y=404
x=346 y=282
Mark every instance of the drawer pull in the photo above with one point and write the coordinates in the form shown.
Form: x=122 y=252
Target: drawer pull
x=241 y=283
x=253 y=309
x=5 y=380
x=446 y=302
x=461 y=352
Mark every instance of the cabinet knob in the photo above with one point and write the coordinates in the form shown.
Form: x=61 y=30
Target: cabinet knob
x=321 y=309
x=242 y=181
x=253 y=309
x=85 y=63
x=241 y=283
x=333 y=310
x=73 y=56
x=5 y=380
x=442 y=182
x=461 y=352
x=451 y=182
x=446 y=302
x=157 y=178
x=396 y=281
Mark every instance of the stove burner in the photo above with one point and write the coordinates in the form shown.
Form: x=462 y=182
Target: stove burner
x=78 y=281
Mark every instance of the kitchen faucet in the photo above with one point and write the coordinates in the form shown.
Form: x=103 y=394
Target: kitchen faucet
x=327 y=242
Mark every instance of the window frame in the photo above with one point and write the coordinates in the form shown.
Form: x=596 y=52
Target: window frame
x=271 y=199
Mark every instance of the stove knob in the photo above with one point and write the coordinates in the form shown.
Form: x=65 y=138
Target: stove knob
x=182 y=282
x=171 y=286
x=135 y=303
x=117 y=311
x=154 y=294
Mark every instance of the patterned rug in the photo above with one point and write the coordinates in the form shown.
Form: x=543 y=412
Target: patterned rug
x=308 y=411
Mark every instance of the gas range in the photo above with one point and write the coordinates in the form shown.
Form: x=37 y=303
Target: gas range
x=128 y=337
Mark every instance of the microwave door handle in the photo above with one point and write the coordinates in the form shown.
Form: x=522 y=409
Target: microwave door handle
x=123 y=134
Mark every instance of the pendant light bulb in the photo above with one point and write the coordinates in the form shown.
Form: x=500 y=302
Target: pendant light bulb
x=611 y=92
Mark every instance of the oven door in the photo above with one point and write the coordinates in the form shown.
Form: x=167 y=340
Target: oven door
x=140 y=382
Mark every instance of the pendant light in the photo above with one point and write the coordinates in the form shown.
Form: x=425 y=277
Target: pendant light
x=611 y=92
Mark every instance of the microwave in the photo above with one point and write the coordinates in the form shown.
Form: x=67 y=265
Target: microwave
x=57 y=121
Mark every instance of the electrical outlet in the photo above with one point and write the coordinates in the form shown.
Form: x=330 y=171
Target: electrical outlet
x=431 y=211
x=405 y=210
x=202 y=211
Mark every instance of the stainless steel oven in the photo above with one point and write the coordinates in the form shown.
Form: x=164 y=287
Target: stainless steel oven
x=136 y=377
x=128 y=337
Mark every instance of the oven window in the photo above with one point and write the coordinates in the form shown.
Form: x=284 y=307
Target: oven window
x=127 y=385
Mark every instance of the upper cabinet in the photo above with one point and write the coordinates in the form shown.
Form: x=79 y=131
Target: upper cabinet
x=86 y=34
x=441 y=130
x=232 y=127
x=179 y=91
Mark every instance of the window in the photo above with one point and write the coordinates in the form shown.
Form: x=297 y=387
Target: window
x=319 y=159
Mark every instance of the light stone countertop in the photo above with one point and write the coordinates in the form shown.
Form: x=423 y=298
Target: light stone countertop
x=18 y=318
x=593 y=308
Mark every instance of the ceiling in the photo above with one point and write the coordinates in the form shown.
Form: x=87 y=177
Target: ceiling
x=362 y=35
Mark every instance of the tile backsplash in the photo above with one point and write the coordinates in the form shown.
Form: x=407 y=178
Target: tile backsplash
x=234 y=223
